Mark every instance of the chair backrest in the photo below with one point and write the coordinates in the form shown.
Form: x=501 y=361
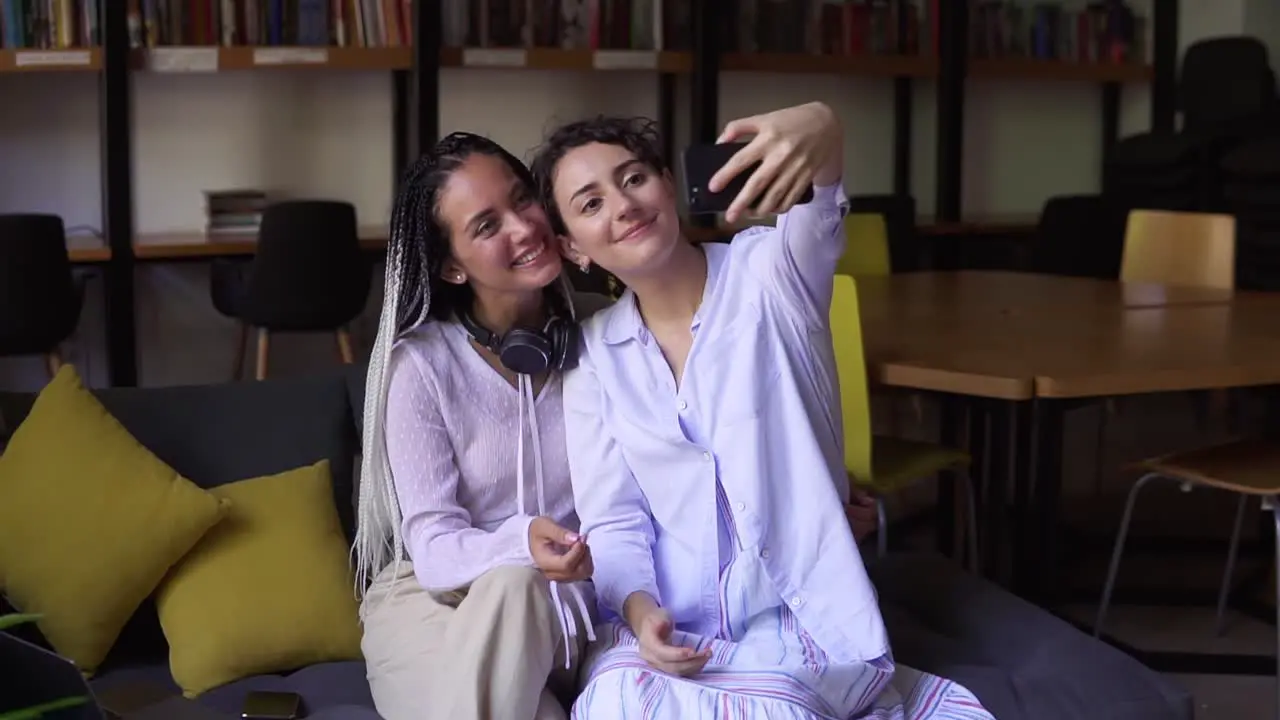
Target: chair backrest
x=1079 y=236
x=866 y=245
x=1225 y=81
x=309 y=271
x=1180 y=248
x=39 y=305
x=899 y=213
x=851 y=367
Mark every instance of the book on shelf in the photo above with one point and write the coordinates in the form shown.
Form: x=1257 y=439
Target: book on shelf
x=48 y=24
x=306 y=23
x=567 y=24
x=234 y=211
x=831 y=27
x=1094 y=32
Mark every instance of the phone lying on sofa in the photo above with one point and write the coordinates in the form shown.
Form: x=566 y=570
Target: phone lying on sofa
x=701 y=163
x=266 y=705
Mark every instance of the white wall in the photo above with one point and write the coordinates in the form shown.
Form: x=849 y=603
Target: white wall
x=1262 y=18
x=328 y=134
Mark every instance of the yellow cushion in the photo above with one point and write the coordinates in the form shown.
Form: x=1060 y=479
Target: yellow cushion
x=90 y=520
x=897 y=463
x=268 y=590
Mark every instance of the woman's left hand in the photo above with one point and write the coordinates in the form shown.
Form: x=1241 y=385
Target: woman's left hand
x=796 y=147
x=862 y=514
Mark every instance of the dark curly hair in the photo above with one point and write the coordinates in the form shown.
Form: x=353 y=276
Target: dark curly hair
x=640 y=136
x=419 y=244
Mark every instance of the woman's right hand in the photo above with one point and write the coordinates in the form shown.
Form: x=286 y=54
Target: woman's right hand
x=561 y=555
x=796 y=147
x=652 y=626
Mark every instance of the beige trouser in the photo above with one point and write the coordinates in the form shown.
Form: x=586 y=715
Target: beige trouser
x=493 y=651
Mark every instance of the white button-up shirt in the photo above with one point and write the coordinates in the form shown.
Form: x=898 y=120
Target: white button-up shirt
x=758 y=407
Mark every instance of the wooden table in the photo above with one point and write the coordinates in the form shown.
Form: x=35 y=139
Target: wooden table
x=1014 y=336
x=1023 y=349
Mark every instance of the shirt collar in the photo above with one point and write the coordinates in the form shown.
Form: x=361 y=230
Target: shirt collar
x=625 y=322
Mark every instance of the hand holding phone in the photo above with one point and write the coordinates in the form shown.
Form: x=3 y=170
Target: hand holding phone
x=702 y=162
x=790 y=151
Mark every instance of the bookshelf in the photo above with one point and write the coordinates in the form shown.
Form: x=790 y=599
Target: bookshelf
x=218 y=59
x=677 y=63
x=932 y=46
x=1055 y=71
x=61 y=60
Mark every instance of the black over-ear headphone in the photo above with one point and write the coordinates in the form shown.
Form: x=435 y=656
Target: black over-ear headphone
x=529 y=351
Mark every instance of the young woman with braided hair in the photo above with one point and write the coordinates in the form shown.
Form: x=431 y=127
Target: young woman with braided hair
x=466 y=548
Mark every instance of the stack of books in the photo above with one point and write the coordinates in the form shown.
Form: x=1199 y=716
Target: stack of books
x=234 y=212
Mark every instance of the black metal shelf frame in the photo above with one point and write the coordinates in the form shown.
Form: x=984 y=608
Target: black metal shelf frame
x=115 y=132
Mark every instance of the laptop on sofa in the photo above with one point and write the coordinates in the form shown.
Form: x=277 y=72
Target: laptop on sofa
x=34 y=676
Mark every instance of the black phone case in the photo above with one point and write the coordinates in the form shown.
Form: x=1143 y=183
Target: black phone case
x=701 y=163
x=271 y=705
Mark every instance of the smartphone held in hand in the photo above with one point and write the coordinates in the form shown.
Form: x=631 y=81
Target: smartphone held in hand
x=701 y=163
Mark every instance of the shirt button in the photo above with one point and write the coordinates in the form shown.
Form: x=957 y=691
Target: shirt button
x=683 y=405
x=797 y=601
x=706 y=456
x=741 y=506
x=765 y=553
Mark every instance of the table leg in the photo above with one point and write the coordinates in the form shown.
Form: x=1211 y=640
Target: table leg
x=1045 y=482
x=952 y=422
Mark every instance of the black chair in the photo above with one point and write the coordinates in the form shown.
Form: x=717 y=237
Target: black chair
x=1251 y=192
x=40 y=297
x=1080 y=236
x=906 y=252
x=308 y=275
x=1227 y=95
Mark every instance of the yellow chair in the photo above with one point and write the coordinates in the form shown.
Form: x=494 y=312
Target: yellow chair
x=866 y=253
x=1177 y=248
x=1180 y=248
x=882 y=464
x=866 y=245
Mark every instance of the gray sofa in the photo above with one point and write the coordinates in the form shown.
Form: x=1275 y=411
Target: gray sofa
x=1021 y=662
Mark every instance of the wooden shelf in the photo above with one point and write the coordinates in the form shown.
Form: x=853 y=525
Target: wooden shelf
x=557 y=59
x=1057 y=70
x=71 y=60
x=193 y=245
x=216 y=59
x=870 y=65
x=179 y=245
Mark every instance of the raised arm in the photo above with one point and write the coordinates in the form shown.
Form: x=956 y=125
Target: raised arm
x=611 y=508
x=797 y=148
x=446 y=550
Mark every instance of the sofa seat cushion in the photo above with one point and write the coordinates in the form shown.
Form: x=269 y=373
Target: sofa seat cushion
x=327 y=687
x=1022 y=662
